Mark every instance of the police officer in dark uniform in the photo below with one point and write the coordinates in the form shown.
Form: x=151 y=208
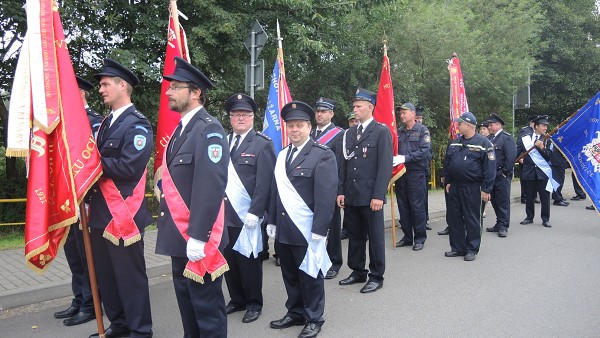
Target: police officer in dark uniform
x=327 y=133
x=414 y=150
x=536 y=173
x=125 y=145
x=248 y=192
x=364 y=179
x=506 y=153
x=196 y=162
x=82 y=306
x=301 y=207
x=559 y=163
x=469 y=173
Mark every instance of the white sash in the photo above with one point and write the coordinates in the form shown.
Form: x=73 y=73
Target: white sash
x=249 y=241
x=316 y=258
x=540 y=162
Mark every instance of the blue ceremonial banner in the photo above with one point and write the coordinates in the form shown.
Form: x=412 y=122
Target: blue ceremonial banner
x=579 y=140
x=272 y=121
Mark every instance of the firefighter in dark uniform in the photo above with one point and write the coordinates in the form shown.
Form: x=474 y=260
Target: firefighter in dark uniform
x=192 y=203
x=364 y=179
x=302 y=204
x=82 y=306
x=525 y=131
x=331 y=135
x=419 y=118
x=125 y=145
x=469 y=173
x=414 y=150
x=536 y=174
x=506 y=153
x=253 y=159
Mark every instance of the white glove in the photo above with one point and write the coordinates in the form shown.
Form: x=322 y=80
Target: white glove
x=317 y=237
x=195 y=249
x=271 y=230
x=251 y=221
x=398 y=159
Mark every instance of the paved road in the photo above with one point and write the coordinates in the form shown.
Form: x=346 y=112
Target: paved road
x=537 y=282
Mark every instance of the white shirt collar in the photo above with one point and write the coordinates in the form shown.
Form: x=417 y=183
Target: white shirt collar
x=118 y=112
x=299 y=148
x=242 y=137
x=187 y=117
x=366 y=123
x=498 y=133
x=324 y=128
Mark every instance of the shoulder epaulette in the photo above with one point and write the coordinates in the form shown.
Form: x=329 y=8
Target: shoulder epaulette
x=263 y=136
x=139 y=114
x=507 y=133
x=319 y=145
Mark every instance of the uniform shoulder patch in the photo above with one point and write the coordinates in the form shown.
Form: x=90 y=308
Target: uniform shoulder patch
x=491 y=155
x=139 y=141
x=427 y=138
x=214 y=135
x=142 y=128
x=263 y=136
x=215 y=152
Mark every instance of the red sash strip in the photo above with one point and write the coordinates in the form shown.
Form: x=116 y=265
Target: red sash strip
x=214 y=263
x=328 y=135
x=122 y=225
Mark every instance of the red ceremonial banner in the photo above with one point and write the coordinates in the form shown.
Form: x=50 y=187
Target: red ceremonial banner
x=458 y=96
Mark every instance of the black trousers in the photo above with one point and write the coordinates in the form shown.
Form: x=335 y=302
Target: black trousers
x=245 y=275
x=558 y=174
x=537 y=186
x=80 y=278
x=501 y=201
x=121 y=274
x=578 y=190
x=464 y=218
x=334 y=240
x=363 y=224
x=306 y=295
x=411 y=195
x=202 y=306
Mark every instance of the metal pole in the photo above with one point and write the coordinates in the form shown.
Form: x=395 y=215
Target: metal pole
x=392 y=209
x=252 y=63
x=513 y=112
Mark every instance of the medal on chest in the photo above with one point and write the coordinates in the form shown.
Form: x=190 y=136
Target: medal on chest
x=364 y=152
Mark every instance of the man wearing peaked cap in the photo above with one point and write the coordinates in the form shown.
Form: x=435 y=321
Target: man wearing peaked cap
x=469 y=173
x=537 y=173
x=506 y=153
x=300 y=211
x=247 y=195
x=82 y=305
x=125 y=145
x=192 y=204
x=362 y=191
x=327 y=133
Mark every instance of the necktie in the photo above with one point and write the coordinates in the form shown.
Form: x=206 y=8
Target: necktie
x=288 y=162
x=318 y=133
x=235 y=144
x=107 y=124
x=359 y=133
x=109 y=119
x=175 y=135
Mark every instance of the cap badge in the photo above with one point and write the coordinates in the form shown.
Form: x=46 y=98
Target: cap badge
x=239 y=96
x=294 y=105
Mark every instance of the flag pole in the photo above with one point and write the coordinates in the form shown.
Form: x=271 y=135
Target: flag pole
x=83 y=217
x=175 y=16
x=546 y=136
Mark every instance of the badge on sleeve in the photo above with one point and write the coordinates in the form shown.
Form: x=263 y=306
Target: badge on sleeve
x=491 y=155
x=215 y=152
x=139 y=141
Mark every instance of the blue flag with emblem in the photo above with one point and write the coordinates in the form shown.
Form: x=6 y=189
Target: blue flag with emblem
x=579 y=140
x=272 y=122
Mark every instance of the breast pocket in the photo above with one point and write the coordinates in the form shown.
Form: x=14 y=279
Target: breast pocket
x=302 y=172
x=111 y=147
x=474 y=155
x=246 y=161
x=413 y=141
x=182 y=159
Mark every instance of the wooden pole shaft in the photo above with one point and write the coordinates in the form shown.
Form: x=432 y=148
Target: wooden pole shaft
x=175 y=16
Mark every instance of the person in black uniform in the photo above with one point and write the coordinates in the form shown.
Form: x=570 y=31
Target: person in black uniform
x=194 y=181
x=301 y=207
x=330 y=135
x=525 y=131
x=559 y=164
x=419 y=118
x=536 y=170
x=82 y=306
x=125 y=145
x=506 y=153
x=414 y=150
x=469 y=173
x=364 y=179
x=248 y=192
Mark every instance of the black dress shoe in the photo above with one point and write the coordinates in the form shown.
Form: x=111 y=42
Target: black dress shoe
x=546 y=224
x=402 y=243
x=470 y=256
x=523 y=201
x=443 y=232
x=371 y=286
x=526 y=221
x=492 y=229
x=561 y=203
x=264 y=256
x=79 y=318
x=310 y=330
x=234 y=308
x=353 y=279
x=577 y=198
x=277 y=262
x=344 y=234
x=70 y=312
x=251 y=315
x=418 y=246
x=331 y=274
x=427 y=227
x=286 y=322
x=110 y=333
x=502 y=233
x=590 y=207
x=454 y=253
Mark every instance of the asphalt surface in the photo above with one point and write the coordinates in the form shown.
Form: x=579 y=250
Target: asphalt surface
x=537 y=282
